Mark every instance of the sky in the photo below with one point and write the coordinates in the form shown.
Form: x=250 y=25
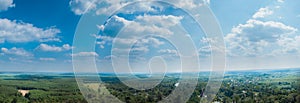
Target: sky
x=37 y=36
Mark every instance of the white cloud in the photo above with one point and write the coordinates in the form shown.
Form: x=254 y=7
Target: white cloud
x=210 y=45
x=51 y=39
x=138 y=46
x=190 y=4
x=80 y=7
x=288 y=45
x=171 y=52
x=16 y=51
x=49 y=48
x=17 y=32
x=5 y=4
x=281 y=1
x=256 y=30
x=107 y=7
x=120 y=19
x=146 y=24
x=204 y=51
x=142 y=49
x=150 y=24
x=257 y=38
x=101 y=27
x=102 y=40
x=160 y=20
x=207 y=1
x=110 y=57
x=150 y=41
x=263 y=12
x=67 y=47
x=47 y=59
x=85 y=54
x=111 y=7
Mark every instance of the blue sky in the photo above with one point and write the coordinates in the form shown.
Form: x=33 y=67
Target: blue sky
x=37 y=36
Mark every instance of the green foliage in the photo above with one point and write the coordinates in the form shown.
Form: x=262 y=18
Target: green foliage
x=236 y=88
x=41 y=90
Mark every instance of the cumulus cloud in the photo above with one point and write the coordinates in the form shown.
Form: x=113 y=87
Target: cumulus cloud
x=152 y=25
x=257 y=37
x=139 y=46
x=281 y=1
x=210 y=45
x=5 y=4
x=17 y=32
x=207 y=1
x=190 y=4
x=102 y=40
x=80 y=7
x=85 y=54
x=257 y=30
x=168 y=52
x=52 y=48
x=288 y=45
x=47 y=59
x=16 y=51
x=142 y=49
x=263 y=12
x=160 y=20
x=107 y=7
x=149 y=24
x=150 y=41
x=101 y=27
x=112 y=6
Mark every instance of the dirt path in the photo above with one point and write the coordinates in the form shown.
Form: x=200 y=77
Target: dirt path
x=23 y=92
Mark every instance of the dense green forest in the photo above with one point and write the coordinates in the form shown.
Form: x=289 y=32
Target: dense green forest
x=43 y=89
x=237 y=87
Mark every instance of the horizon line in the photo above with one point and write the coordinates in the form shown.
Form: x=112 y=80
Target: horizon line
x=263 y=69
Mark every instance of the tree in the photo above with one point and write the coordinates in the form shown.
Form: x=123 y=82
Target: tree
x=236 y=98
x=298 y=99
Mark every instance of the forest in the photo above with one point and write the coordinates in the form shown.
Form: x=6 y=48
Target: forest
x=268 y=86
